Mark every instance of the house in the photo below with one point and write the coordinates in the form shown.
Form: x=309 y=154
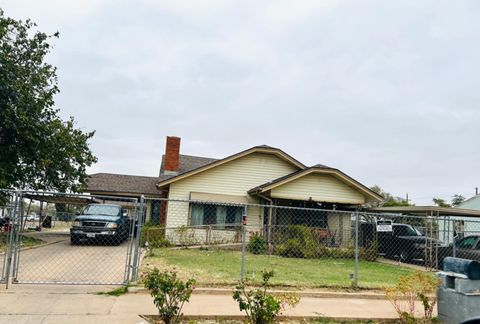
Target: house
x=471 y=203
x=464 y=226
x=203 y=191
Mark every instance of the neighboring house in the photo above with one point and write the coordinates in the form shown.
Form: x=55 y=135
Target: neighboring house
x=465 y=226
x=471 y=203
x=261 y=175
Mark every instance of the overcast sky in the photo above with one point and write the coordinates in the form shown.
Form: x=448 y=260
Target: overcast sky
x=386 y=91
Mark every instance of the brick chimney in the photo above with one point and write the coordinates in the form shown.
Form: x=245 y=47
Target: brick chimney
x=172 y=155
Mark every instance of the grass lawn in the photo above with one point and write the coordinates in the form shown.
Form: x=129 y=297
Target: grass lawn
x=219 y=267
x=26 y=241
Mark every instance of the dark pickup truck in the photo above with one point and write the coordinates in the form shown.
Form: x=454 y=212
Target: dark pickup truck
x=397 y=241
x=102 y=223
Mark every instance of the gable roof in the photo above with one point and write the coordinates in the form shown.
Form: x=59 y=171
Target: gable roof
x=318 y=168
x=124 y=184
x=256 y=149
x=188 y=162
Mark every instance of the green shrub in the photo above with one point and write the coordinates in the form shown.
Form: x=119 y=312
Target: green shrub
x=300 y=232
x=369 y=253
x=155 y=236
x=299 y=241
x=159 y=243
x=292 y=248
x=257 y=244
x=259 y=306
x=169 y=293
x=416 y=286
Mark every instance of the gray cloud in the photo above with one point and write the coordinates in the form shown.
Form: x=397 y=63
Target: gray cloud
x=386 y=91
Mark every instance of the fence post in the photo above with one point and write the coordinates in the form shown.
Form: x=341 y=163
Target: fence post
x=10 y=235
x=137 y=251
x=16 y=229
x=244 y=236
x=356 y=250
x=454 y=238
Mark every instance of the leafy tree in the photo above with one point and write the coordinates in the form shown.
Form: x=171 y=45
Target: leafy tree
x=457 y=200
x=38 y=149
x=390 y=200
x=441 y=202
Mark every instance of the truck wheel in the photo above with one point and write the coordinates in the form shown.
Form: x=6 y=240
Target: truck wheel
x=74 y=240
x=405 y=256
x=116 y=240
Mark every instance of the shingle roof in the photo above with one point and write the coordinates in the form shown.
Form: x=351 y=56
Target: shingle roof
x=323 y=166
x=188 y=163
x=122 y=183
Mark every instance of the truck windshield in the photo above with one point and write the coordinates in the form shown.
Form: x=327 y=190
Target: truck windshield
x=406 y=230
x=105 y=210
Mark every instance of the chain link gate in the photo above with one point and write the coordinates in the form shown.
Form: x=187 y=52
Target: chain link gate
x=8 y=213
x=73 y=239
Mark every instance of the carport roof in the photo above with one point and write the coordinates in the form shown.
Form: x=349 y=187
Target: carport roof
x=79 y=199
x=428 y=210
x=59 y=199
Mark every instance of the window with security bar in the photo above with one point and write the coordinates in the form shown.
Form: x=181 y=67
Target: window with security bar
x=219 y=215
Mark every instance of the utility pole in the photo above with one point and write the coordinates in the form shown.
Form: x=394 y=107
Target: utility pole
x=476 y=191
x=407 y=198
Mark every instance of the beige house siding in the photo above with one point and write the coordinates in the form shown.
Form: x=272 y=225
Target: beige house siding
x=319 y=187
x=340 y=226
x=234 y=178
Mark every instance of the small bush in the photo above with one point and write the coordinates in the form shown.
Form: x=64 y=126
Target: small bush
x=416 y=286
x=369 y=253
x=300 y=241
x=155 y=236
x=257 y=244
x=261 y=307
x=293 y=248
x=169 y=293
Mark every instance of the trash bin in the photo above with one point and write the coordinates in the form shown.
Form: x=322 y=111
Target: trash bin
x=459 y=291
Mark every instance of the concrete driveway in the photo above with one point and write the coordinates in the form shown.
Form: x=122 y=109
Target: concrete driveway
x=60 y=262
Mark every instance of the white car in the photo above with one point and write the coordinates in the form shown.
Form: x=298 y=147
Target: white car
x=32 y=218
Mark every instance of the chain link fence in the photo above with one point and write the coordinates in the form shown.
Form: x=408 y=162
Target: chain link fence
x=89 y=239
x=306 y=246
x=7 y=213
x=59 y=238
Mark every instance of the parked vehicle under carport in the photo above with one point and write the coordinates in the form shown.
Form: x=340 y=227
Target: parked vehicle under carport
x=396 y=241
x=101 y=223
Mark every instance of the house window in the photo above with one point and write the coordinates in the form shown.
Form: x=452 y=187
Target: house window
x=219 y=215
x=155 y=212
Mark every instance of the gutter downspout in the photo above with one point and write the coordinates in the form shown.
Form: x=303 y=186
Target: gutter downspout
x=269 y=229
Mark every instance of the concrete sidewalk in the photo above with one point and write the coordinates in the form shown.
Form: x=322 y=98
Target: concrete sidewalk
x=61 y=304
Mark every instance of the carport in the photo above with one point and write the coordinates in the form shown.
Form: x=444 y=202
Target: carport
x=49 y=198
x=67 y=199
x=451 y=220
